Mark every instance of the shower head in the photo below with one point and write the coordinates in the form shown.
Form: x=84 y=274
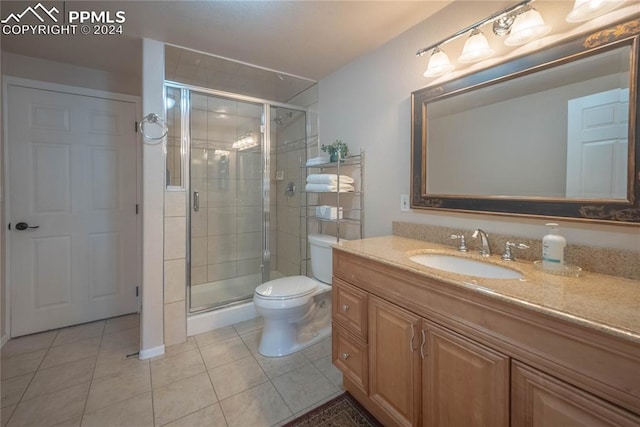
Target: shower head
x=280 y=120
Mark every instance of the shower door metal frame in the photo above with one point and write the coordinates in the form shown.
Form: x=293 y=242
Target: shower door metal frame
x=185 y=91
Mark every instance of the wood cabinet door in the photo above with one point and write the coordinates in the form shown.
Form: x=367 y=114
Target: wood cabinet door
x=538 y=399
x=394 y=361
x=464 y=383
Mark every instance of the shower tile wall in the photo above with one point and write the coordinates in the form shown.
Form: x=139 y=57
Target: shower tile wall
x=290 y=155
x=226 y=231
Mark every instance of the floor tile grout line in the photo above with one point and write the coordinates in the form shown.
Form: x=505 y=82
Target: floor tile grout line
x=32 y=377
x=54 y=367
x=218 y=401
x=93 y=374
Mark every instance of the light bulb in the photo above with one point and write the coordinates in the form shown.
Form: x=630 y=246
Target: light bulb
x=476 y=48
x=527 y=27
x=584 y=10
x=439 y=64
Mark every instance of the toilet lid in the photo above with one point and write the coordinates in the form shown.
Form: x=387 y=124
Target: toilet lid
x=287 y=287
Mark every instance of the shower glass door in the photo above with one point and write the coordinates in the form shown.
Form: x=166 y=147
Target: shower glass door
x=227 y=212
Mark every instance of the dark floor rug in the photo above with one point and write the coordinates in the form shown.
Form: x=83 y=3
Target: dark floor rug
x=342 y=411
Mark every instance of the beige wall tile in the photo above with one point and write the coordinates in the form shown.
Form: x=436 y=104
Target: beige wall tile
x=222 y=220
x=175 y=323
x=249 y=245
x=199 y=275
x=199 y=223
x=221 y=271
x=174 y=280
x=175 y=203
x=222 y=248
x=174 y=238
x=198 y=251
x=249 y=266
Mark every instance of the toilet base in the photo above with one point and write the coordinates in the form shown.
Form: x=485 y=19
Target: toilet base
x=281 y=338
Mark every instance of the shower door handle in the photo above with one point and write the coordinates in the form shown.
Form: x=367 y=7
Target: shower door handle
x=196 y=201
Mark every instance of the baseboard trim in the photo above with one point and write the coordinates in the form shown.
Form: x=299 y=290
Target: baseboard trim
x=151 y=352
x=4 y=340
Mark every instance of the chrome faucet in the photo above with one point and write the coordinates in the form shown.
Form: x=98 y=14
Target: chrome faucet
x=484 y=249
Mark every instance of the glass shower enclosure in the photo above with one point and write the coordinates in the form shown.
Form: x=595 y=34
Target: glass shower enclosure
x=244 y=228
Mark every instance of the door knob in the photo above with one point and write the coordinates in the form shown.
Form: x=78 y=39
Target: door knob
x=23 y=226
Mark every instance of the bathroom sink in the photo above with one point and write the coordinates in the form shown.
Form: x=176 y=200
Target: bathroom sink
x=466 y=266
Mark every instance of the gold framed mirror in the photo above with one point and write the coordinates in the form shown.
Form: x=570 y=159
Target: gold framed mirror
x=552 y=133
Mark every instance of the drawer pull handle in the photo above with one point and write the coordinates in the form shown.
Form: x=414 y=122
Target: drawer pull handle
x=345 y=308
x=345 y=356
x=424 y=339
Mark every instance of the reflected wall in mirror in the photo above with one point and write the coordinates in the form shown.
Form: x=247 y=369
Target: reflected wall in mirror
x=552 y=133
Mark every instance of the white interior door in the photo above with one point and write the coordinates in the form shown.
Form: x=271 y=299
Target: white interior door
x=597 y=145
x=72 y=174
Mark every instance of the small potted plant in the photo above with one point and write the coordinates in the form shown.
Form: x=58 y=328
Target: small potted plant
x=337 y=150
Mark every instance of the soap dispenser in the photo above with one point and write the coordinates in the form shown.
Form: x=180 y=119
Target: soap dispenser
x=553 y=245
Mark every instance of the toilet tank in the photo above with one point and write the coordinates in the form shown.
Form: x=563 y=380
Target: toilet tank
x=321 y=260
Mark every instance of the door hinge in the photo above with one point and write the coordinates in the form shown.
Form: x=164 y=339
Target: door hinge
x=137 y=208
x=137 y=292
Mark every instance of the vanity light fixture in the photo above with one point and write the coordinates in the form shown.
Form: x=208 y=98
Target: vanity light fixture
x=244 y=142
x=520 y=22
x=439 y=64
x=528 y=26
x=584 y=10
x=476 y=48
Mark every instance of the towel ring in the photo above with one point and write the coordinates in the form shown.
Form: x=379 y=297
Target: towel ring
x=153 y=118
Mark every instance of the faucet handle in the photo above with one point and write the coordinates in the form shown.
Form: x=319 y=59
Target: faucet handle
x=463 y=244
x=508 y=255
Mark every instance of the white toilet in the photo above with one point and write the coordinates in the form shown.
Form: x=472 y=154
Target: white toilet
x=297 y=309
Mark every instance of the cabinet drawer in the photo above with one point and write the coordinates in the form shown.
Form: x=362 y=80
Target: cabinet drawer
x=538 y=399
x=350 y=355
x=349 y=308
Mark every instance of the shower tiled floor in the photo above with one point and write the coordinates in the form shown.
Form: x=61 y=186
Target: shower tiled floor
x=81 y=376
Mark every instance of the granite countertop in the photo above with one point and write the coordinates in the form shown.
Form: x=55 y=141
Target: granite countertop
x=608 y=304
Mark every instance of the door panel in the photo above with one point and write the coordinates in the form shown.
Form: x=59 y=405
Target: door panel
x=394 y=365
x=52 y=271
x=597 y=145
x=466 y=383
x=72 y=174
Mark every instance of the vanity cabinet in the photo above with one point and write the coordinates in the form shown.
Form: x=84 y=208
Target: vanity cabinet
x=394 y=361
x=541 y=400
x=464 y=383
x=418 y=352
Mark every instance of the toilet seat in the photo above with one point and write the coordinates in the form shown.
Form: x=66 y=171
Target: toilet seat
x=286 y=288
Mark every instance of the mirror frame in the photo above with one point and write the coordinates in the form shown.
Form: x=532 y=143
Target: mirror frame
x=600 y=210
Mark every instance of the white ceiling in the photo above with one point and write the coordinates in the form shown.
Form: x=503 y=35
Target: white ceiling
x=305 y=38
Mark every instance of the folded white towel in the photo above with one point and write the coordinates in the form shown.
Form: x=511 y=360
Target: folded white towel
x=329 y=178
x=317 y=161
x=328 y=188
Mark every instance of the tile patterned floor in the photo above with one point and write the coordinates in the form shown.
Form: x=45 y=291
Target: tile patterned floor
x=80 y=376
